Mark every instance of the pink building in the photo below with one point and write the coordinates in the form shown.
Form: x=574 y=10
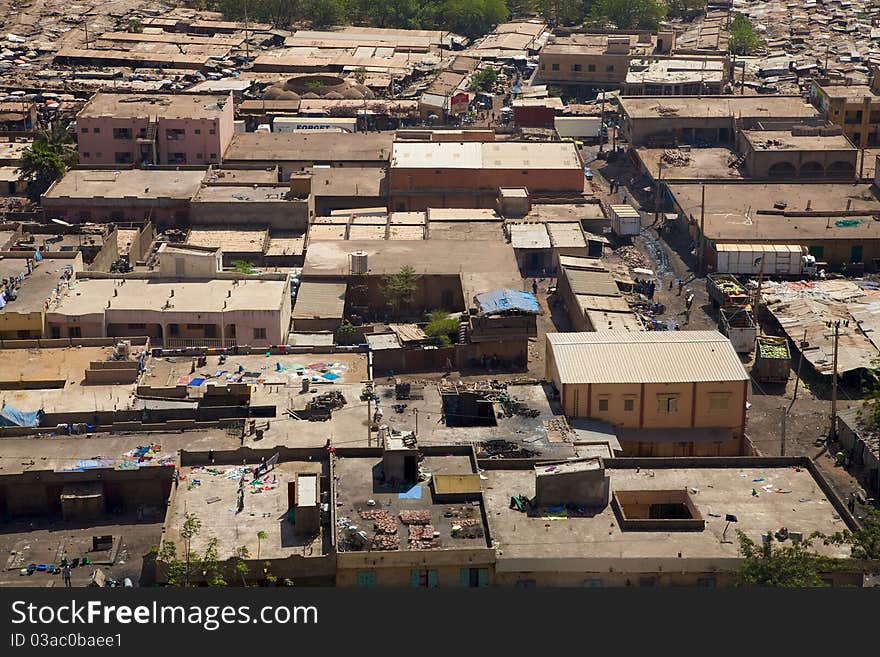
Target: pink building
x=114 y=129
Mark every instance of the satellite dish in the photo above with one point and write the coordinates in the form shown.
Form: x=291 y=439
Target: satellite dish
x=62 y=222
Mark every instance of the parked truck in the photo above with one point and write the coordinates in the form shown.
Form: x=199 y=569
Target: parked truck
x=726 y=290
x=772 y=360
x=625 y=220
x=737 y=323
x=770 y=260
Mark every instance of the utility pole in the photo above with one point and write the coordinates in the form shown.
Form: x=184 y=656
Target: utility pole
x=417 y=421
x=700 y=244
x=797 y=380
x=657 y=192
x=247 y=46
x=782 y=443
x=833 y=434
x=370 y=416
x=602 y=123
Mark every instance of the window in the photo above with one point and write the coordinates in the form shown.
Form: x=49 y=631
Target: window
x=199 y=156
x=175 y=134
x=84 y=130
x=609 y=68
x=87 y=154
x=525 y=584
x=366 y=579
x=629 y=404
x=474 y=577
x=554 y=67
x=173 y=329
x=177 y=158
x=198 y=131
x=74 y=332
x=212 y=131
x=706 y=582
x=99 y=155
x=259 y=334
x=575 y=67
x=719 y=401
x=55 y=332
x=137 y=327
x=423 y=579
x=667 y=403
x=818 y=252
x=603 y=403
x=213 y=156
x=591 y=68
x=121 y=133
x=647 y=582
x=123 y=158
x=96 y=130
x=592 y=583
x=210 y=331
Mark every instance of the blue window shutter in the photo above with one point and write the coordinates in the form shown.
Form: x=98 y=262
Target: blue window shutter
x=366 y=578
x=432 y=579
x=483 y=577
x=464 y=576
x=414 y=578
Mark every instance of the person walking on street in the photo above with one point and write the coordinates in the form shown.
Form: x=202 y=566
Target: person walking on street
x=680 y=285
x=535 y=287
x=65 y=574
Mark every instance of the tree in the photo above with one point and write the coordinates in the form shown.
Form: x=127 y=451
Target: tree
x=47 y=159
x=562 y=12
x=134 y=26
x=398 y=289
x=345 y=332
x=686 y=9
x=483 y=80
x=261 y=536
x=242 y=267
x=743 y=37
x=791 y=566
x=191 y=528
x=323 y=13
x=471 y=18
x=442 y=327
x=629 y=14
x=241 y=567
x=865 y=542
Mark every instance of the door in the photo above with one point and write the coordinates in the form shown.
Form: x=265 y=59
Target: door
x=856 y=253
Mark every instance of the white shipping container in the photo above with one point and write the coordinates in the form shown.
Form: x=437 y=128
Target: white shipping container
x=753 y=259
x=625 y=220
x=314 y=124
x=577 y=126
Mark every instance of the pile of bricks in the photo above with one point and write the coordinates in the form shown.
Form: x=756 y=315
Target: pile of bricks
x=421 y=537
x=415 y=517
x=385 y=542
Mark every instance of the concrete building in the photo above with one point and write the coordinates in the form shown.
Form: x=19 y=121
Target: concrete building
x=186 y=261
x=177 y=313
x=584 y=59
x=293 y=152
x=470 y=174
x=676 y=76
x=135 y=195
x=31 y=288
x=129 y=129
x=651 y=522
x=667 y=393
x=269 y=205
x=592 y=298
x=805 y=152
x=834 y=220
x=444 y=539
x=854 y=107
x=667 y=120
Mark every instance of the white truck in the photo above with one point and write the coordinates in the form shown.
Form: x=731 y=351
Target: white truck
x=578 y=127
x=771 y=260
x=625 y=220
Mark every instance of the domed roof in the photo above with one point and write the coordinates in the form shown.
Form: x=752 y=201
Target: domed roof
x=318 y=86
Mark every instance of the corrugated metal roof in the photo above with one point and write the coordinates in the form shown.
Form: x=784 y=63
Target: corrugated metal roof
x=584 y=281
x=320 y=300
x=645 y=357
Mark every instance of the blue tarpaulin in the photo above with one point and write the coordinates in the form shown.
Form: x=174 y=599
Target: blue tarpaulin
x=12 y=417
x=506 y=300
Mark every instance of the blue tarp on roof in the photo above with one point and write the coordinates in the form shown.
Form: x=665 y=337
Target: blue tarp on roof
x=12 y=417
x=505 y=300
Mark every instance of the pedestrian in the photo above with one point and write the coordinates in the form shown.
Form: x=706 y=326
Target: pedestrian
x=535 y=286
x=651 y=288
x=689 y=302
x=65 y=574
x=680 y=285
x=671 y=283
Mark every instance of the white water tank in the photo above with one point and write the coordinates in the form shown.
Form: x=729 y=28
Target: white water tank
x=358 y=262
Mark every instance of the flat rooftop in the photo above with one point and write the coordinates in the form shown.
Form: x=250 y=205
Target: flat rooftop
x=190 y=296
x=485 y=155
x=675 y=71
x=227 y=176
x=38 y=286
x=595 y=44
x=243 y=194
x=854 y=91
x=310 y=147
x=124 y=184
x=787 y=497
x=692 y=164
x=672 y=107
x=784 y=140
x=106 y=450
x=166 y=106
x=265 y=509
x=348 y=181
x=230 y=240
x=359 y=479
x=734 y=211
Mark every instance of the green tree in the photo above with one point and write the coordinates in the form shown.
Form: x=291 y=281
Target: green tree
x=629 y=14
x=865 y=542
x=471 y=18
x=398 y=289
x=241 y=567
x=345 y=332
x=47 y=159
x=242 y=267
x=442 y=327
x=261 y=536
x=483 y=80
x=743 y=37
x=562 y=12
x=323 y=13
x=191 y=528
x=134 y=26
x=790 y=566
x=686 y=9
